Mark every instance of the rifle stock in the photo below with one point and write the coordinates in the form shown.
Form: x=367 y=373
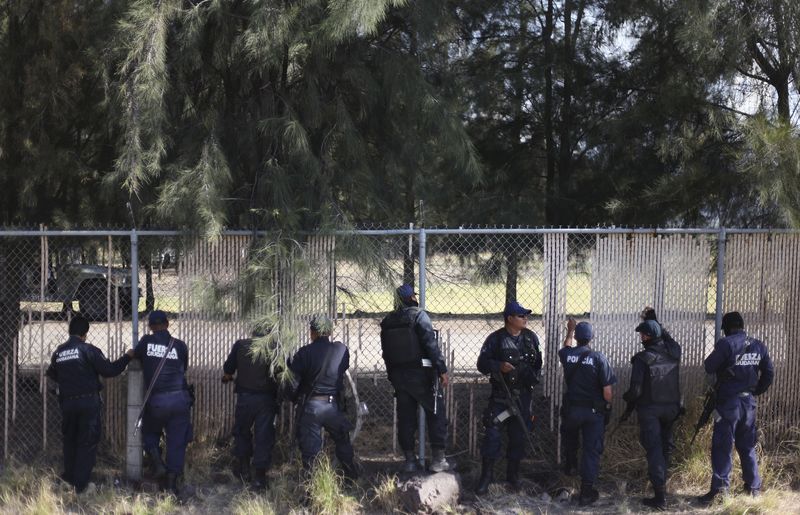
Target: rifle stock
x=709 y=403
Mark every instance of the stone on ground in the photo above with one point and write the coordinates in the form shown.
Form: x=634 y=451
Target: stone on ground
x=429 y=494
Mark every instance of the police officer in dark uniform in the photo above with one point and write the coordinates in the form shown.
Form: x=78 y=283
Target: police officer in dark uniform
x=743 y=371
x=417 y=371
x=655 y=393
x=75 y=366
x=586 y=405
x=256 y=405
x=169 y=407
x=510 y=355
x=318 y=370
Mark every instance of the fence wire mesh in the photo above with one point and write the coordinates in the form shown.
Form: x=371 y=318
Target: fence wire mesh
x=605 y=277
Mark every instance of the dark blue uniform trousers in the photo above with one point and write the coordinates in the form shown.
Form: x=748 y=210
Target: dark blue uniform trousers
x=738 y=424
x=492 y=438
x=81 y=426
x=169 y=412
x=319 y=414
x=582 y=424
x=255 y=411
x=655 y=435
x=407 y=419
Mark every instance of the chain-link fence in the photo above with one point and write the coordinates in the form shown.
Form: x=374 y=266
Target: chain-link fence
x=464 y=277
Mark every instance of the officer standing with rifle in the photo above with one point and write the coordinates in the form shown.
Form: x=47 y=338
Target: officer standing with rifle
x=743 y=371
x=168 y=401
x=75 y=366
x=318 y=370
x=655 y=393
x=256 y=405
x=586 y=405
x=418 y=374
x=512 y=358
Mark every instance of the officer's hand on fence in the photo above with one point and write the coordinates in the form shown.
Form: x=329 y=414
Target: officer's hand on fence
x=571 y=323
x=648 y=313
x=130 y=353
x=443 y=380
x=506 y=367
x=227 y=378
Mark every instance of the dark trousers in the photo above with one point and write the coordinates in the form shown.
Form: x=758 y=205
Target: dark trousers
x=255 y=415
x=81 y=427
x=169 y=412
x=655 y=435
x=585 y=428
x=408 y=423
x=319 y=414
x=738 y=425
x=492 y=438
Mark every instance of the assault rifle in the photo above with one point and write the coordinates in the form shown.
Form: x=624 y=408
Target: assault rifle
x=623 y=418
x=513 y=407
x=709 y=404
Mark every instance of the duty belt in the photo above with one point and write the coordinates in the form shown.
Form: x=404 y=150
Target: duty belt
x=326 y=398
x=581 y=404
x=744 y=394
x=80 y=396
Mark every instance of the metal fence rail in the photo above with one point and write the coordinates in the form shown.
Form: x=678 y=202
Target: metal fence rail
x=463 y=276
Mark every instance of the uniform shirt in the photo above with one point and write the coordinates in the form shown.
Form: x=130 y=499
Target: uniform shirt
x=75 y=366
x=307 y=363
x=588 y=372
x=251 y=376
x=151 y=349
x=496 y=350
x=640 y=372
x=750 y=372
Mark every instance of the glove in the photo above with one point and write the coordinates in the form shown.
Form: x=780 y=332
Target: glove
x=607 y=413
x=227 y=378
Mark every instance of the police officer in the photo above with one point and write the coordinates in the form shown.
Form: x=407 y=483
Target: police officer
x=75 y=366
x=512 y=358
x=655 y=393
x=415 y=365
x=318 y=370
x=256 y=405
x=169 y=407
x=586 y=405
x=743 y=371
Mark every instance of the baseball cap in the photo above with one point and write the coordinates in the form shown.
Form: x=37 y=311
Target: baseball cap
x=515 y=308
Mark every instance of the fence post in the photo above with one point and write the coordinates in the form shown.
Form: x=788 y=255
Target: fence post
x=133 y=456
x=721 y=238
x=420 y=410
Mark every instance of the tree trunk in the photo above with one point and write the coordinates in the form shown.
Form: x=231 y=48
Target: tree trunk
x=512 y=262
x=150 y=298
x=550 y=186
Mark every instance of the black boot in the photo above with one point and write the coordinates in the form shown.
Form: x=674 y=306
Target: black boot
x=242 y=470
x=512 y=475
x=260 y=482
x=410 y=465
x=588 y=494
x=350 y=471
x=487 y=475
x=708 y=498
x=659 y=500
x=172 y=484
x=439 y=461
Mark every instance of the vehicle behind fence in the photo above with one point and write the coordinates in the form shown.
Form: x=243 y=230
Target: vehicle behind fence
x=463 y=276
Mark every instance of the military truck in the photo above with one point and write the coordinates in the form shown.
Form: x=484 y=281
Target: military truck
x=87 y=284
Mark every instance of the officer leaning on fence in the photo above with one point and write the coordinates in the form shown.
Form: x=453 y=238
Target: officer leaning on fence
x=319 y=369
x=655 y=393
x=418 y=373
x=512 y=358
x=256 y=405
x=164 y=362
x=743 y=371
x=586 y=406
x=75 y=366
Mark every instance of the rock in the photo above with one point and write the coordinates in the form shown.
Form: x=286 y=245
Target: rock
x=428 y=494
x=562 y=495
x=545 y=497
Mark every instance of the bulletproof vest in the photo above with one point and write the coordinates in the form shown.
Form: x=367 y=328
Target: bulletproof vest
x=663 y=376
x=251 y=375
x=76 y=375
x=172 y=376
x=399 y=342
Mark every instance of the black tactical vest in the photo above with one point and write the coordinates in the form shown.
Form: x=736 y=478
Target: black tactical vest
x=663 y=378
x=399 y=341
x=76 y=376
x=251 y=375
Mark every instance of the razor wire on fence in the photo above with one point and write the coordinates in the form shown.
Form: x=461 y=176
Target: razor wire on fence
x=464 y=278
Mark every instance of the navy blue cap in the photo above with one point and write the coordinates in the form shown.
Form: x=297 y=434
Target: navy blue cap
x=649 y=327
x=405 y=292
x=515 y=308
x=732 y=320
x=584 y=331
x=78 y=326
x=157 y=317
